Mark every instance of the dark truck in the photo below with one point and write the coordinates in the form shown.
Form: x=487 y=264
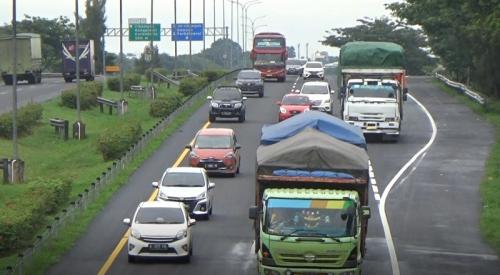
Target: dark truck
x=87 y=63
x=311 y=195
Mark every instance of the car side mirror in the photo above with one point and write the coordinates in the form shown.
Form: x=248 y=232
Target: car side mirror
x=366 y=212
x=127 y=221
x=211 y=185
x=188 y=146
x=191 y=222
x=238 y=146
x=209 y=97
x=155 y=184
x=405 y=94
x=253 y=212
x=244 y=98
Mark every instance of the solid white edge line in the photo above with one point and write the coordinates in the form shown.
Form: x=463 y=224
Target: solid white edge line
x=385 y=194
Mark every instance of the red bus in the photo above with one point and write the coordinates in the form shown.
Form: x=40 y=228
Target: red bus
x=269 y=55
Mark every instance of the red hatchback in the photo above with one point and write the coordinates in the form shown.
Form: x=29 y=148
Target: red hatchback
x=216 y=150
x=293 y=104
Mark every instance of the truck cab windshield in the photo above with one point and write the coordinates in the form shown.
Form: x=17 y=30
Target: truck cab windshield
x=310 y=218
x=379 y=91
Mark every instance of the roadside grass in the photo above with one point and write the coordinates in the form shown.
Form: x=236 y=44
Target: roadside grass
x=490 y=185
x=48 y=156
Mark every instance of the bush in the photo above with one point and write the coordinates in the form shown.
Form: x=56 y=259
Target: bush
x=164 y=106
x=27 y=117
x=89 y=91
x=114 y=142
x=190 y=85
x=22 y=217
x=129 y=79
x=212 y=75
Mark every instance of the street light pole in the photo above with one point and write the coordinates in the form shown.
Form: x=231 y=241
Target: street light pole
x=15 y=154
x=77 y=61
x=121 y=49
x=175 y=42
x=214 y=21
x=204 y=27
x=151 y=50
x=190 y=39
x=237 y=22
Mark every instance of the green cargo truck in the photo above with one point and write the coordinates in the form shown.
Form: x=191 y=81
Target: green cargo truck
x=311 y=210
x=29 y=58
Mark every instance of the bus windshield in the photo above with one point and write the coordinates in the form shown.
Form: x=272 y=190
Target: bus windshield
x=310 y=218
x=269 y=43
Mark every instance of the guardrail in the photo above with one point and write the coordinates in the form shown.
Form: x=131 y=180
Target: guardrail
x=462 y=89
x=25 y=258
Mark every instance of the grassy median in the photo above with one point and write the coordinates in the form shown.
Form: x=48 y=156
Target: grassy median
x=490 y=185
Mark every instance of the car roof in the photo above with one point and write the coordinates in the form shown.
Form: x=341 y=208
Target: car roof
x=315 y=83
x=294 y=95
x=314 y=62
x=250 y=71
x=216 y=132
x=185 y=169
x=167 y=204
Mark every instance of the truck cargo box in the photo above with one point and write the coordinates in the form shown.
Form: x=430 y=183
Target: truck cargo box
x=379 y=55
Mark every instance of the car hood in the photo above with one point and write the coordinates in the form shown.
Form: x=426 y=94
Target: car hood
x=211 y=153
x=295 y=107
x=226 y=101
x=313 y=69
x=158 y=230
x=182 y=192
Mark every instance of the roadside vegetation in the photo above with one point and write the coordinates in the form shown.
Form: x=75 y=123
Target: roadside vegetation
x=490 y=185
x=56 y=171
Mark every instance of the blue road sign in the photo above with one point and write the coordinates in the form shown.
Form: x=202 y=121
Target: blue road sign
x=183 y=32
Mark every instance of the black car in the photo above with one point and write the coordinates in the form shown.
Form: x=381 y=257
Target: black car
x=250 y=81
x=227 y=101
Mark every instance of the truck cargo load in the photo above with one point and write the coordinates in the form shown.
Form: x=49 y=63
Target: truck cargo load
x=364 y=54
x=29 y=58
x=323 y=122
x=87 y=63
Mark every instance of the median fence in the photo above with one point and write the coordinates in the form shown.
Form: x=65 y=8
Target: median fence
x=25 y=258
x=461 y=88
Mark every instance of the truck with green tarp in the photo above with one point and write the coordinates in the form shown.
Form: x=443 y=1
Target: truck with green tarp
x=311 y=205
x=372 y=82
x=29 y=58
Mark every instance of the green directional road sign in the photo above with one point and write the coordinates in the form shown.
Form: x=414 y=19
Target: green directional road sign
x=142 y=32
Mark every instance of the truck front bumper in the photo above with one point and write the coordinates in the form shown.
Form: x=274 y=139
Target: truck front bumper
x=377 y=127
x=274 y=270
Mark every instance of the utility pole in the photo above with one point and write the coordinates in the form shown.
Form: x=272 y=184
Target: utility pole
x=77 y=61
x=121 y=49
x=224 y=32
x=15 y=154
x=175 y=42
x=214 y=21
x=237 y=22
x=298 y=51
x=151 y=50
x=307 y=51
x=204 y=27
x=190 y=28
x=231 y=43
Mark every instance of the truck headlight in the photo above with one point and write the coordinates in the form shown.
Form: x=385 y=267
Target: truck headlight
x=215 y=105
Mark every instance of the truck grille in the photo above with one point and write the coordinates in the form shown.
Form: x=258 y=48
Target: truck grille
x=318 y=259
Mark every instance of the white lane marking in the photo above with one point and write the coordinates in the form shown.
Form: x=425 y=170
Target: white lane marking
x=241 y=250
x=373 y=181
x=439 y=252
x=3 y=93
x=385 y=194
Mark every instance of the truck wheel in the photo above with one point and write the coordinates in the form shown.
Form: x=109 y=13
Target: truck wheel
x=211 y=118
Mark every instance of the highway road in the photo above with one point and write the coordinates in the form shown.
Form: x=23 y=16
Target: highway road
x=26 y=93
x=432 y=211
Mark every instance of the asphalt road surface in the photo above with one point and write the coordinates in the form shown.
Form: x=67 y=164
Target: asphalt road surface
x=433 y=212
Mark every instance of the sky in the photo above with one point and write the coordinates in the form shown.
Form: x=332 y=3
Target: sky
x=301 y=21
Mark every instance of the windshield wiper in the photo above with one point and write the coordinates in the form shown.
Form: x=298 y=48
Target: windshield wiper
x=319 y=234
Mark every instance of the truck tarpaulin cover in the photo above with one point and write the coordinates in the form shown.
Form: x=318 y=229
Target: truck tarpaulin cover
x=323 y=122
x=311 y=150
x=372 y=55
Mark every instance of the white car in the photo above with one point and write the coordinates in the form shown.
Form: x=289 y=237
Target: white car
x=319 y=94
x=189 y=185
x=313 y=69
x=160 y=229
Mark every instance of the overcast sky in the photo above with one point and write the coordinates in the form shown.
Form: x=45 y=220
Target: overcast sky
x=301 y=21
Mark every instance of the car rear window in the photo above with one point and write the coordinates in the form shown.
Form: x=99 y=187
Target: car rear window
x=249 y=75
x=183 y=179
x=159 y=215
x=314 y=89
x=314 y=65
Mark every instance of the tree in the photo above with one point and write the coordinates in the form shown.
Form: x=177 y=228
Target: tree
x=383 y=29
x=465 y=34
x=291 y=52
x=94 y=27
x=52 y=32
x=220 y=53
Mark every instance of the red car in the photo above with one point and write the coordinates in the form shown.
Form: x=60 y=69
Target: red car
x=293 y=104
x=216 y=150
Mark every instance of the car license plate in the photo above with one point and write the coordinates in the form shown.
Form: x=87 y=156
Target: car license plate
x=269 y=75
x=158 y=246
x=211 y=166
x=371 y=127
x=226 y=113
